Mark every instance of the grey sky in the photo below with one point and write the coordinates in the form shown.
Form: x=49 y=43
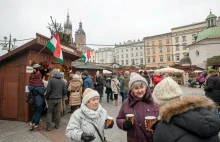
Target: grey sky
x=104 y=21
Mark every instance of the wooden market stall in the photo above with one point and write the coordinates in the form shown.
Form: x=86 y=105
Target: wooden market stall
x=14 y=76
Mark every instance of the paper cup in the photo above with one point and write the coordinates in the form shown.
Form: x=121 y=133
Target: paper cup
x=130 y=117
x=109 y=121
x=149 y=121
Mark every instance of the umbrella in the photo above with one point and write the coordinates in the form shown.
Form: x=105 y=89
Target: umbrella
x=169 y=70
x=198 y=71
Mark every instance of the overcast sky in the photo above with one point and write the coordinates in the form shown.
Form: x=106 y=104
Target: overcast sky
x=104 y=21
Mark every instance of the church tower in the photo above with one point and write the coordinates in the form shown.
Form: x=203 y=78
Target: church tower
x=80 y=39
x=68 y=27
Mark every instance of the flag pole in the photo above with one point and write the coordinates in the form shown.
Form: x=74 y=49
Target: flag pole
x=39 y=52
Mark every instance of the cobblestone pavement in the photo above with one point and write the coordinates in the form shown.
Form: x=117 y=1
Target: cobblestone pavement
x=14 y=131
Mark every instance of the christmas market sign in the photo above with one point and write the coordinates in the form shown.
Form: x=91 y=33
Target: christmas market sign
x=29 y=69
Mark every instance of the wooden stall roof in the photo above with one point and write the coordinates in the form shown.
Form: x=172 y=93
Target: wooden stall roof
x=38 y=44
x=80 y=65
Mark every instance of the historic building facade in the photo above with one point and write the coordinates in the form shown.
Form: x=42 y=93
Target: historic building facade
x=104 y=55
x=158 y=50
x=80 y=38
x=68 y=27
x=207 y=43
x=130 y=53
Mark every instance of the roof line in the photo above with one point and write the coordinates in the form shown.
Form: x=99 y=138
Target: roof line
x=158 y=35
x=188 y=25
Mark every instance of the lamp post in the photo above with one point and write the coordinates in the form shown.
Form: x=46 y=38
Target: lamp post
x=8 y=44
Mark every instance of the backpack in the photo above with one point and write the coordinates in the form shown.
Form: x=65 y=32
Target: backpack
x=29 y=98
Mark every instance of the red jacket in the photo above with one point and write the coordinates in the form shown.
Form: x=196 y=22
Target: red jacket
x=156 y=80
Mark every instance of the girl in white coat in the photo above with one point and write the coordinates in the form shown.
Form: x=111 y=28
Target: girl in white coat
x=81 y=126
x=115 y=88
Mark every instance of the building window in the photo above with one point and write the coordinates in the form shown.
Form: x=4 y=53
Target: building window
x=184 y=46
x=118 y=56
x=132 y=54
x=148 y=51
x=147 y=44
x=184 y=38
x=168 y=49
x=177 y=39
x=131 y=49
x=152 y=43
x=161 y=49
x=167 y=41
x=141 y=54
x=126 y=55
x=140 y=47
x=122 y=56
x=136 y=53
x=136 y=48
x=193 y=37
x=122 y=62
x=168 y=58
x=148 y=59
x=153 y=59
x=161 y=58
x=126 y=62
x=177 y=57
x=160 y=42
x=142 y=61
x=153 y=51
x=121 y=50
x=126 y=49
x=132 y=61
x=177 y=48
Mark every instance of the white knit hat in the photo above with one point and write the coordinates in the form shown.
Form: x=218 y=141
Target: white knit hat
x=89 y=94
x=167 y=90
x=135 y=77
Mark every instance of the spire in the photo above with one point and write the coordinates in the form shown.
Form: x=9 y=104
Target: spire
x=80 y=30
x=80 y=25
x=68 y=24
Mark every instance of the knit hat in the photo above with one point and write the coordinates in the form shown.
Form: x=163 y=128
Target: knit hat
x=76 y=76
x=134 y=77
x=167 y=90
x=54 y=71
x=212 y=71
x=88 y=94
x=85 y=73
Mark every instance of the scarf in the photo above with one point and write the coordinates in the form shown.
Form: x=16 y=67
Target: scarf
x=91 y=113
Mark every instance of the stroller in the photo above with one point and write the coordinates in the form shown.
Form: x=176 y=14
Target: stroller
x=192 y=83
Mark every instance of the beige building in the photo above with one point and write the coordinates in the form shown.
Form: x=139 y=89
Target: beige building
x=158 y=50
x=184 y=36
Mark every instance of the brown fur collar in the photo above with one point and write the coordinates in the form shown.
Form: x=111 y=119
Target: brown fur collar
x=184 y=105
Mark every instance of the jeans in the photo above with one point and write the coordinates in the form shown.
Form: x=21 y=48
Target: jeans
x=125 y=96
x=217 y=110
x=53 y=109
x=122 y=96
x=37 y=114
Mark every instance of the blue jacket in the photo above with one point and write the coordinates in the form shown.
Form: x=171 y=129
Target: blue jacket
x=87 y=83
x=38 y=93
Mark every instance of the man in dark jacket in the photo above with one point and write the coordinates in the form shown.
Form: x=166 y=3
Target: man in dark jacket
x=87 y=81
x=183 y=118
x=56 y=88
x=212 y=88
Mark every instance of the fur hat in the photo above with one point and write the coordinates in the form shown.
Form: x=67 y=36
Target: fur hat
x=134 y=77
x=89 y=94
x=85 y=73
x=166 y=91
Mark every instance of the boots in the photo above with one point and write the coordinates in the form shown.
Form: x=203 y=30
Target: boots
x=116 y=102
x=31 y=127
x=71 y=109
x=38 y=128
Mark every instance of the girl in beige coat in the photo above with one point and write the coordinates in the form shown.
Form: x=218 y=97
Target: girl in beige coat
x=115 y=88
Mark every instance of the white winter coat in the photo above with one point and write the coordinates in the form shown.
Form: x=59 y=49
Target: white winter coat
x=79 y=123
x=115 y=86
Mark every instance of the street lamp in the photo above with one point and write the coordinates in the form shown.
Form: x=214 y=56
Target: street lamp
x=8 y=45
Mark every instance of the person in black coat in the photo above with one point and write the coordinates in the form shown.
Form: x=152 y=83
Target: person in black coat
x=183 y=119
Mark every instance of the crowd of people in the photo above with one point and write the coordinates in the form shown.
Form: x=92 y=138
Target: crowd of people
x=177 y=117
